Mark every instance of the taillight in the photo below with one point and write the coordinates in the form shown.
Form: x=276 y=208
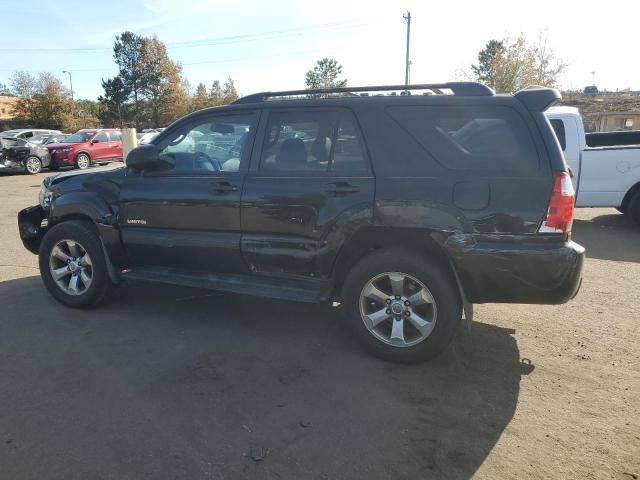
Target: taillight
x=560 y=211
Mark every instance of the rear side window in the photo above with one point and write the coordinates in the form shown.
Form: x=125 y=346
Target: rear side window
x=312 y=142
x=558 y=128
x=472 y=138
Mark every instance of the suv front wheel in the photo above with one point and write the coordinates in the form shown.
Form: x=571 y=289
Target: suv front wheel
x=73 y=266
x=402 y=307
x=83 y=161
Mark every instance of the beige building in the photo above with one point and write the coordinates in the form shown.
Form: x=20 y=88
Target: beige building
x=615 y=121
x=7 y=105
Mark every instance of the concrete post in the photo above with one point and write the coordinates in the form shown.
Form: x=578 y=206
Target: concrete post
x=129 y=141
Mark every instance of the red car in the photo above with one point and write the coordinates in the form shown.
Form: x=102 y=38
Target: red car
x=85 y=147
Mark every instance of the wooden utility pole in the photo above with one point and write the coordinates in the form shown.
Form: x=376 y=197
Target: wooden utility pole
x=407 y=17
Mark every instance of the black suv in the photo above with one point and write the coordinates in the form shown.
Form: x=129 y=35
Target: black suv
x=405 y=209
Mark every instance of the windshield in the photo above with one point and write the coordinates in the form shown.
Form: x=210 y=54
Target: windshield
x=79 y=137
x=38 y=139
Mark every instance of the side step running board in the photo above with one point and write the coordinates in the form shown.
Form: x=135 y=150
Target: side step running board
x=300 y=289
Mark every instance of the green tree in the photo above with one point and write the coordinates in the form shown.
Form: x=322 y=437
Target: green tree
x=510 y=65
x=200 y=99
x=488 y=59
x=216 y=97
x=229 y=92
x=325 y=74
x=86 y=115
x=114 y=107
x=129 y=54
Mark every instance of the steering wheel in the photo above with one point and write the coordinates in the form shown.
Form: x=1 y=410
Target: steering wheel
x=203 y=157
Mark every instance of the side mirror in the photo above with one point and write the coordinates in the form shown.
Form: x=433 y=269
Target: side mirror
x=95 y=140
x=147 y=158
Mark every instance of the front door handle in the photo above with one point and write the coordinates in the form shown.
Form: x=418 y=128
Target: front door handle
x=224 y=187
x=341 y=187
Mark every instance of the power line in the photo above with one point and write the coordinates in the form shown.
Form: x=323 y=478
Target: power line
x=259 y=36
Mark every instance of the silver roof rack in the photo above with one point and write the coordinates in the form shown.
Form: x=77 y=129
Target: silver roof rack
x=473 y=89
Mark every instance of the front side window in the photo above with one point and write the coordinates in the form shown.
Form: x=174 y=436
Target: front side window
x=209 y=145
x=101 y=138
x=307 y=143
x=115 y=136
x=79 y=137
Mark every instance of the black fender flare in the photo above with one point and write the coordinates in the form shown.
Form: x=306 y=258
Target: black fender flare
x=92 y=207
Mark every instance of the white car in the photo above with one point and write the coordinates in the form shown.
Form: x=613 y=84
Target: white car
x=147 y=137
x=603 y=176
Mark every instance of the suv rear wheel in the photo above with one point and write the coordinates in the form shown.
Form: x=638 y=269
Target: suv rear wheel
x=402 y=307
x=83 y=161
x=72 y=265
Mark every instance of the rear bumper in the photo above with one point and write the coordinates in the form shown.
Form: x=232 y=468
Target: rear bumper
x=30 y=227
x=517 y=269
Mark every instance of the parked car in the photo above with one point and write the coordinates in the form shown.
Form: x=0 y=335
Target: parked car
x=147 y=137
x=18 y=155
x=605 y=166
x=406 y=210
x=44 y=138
x=27 y=133
x=86 y=147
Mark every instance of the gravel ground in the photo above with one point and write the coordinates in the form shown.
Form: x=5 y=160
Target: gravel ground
x=176 y=383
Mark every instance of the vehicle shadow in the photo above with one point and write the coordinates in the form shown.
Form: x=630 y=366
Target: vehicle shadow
x=609 y=237
x=168 y=382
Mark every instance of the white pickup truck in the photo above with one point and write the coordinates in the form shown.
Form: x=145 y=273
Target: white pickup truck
x=605 y=166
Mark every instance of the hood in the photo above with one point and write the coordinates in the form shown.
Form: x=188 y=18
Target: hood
x=82 y=175
x=51 y=146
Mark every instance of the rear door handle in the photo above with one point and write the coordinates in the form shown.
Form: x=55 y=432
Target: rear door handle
x=341 y=187
x=224 y=187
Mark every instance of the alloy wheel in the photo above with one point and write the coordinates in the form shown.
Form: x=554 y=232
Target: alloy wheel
x=71 y=267
x=83 y=161
x=398 y=309
x=33 y=165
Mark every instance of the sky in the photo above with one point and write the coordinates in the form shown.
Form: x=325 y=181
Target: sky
x=269 y=45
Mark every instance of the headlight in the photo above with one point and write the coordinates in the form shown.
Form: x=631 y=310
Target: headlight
x=44 y=197
x=61 y=150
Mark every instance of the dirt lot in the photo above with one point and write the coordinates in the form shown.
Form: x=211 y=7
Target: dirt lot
x=181 y=383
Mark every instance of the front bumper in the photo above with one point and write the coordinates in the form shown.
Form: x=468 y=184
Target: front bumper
x=11 y=166
x=61 y=158
x=31 y=227
x=517 y=269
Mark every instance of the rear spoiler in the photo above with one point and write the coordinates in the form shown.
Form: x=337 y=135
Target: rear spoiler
x=538 y=99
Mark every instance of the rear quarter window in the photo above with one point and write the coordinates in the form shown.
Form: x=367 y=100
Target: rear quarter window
x=558 y=128
x=492 y=139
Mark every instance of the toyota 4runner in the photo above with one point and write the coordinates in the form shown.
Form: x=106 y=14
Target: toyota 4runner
x=405 y=209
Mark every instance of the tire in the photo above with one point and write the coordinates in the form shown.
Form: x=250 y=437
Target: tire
x=81 y=237
x=633 y=208
x=33 y=165
x=83 y=161
x=443 y=308
x=622 y=210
